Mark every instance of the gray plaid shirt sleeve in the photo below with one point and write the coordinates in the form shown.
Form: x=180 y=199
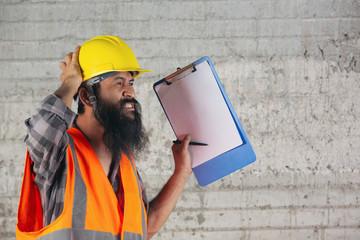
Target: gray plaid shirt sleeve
x=46 y=142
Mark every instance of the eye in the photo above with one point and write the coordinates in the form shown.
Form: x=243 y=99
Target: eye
x=119 y=83
x=131 y=83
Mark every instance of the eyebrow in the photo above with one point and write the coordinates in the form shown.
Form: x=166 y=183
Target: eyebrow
x=122 y=78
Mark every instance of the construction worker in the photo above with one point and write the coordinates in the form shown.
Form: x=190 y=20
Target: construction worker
x=80 y=179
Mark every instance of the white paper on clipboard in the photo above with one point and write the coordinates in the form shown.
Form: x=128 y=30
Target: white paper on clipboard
x=194 y=105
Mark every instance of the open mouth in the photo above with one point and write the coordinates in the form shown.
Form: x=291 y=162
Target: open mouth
x=130 y=106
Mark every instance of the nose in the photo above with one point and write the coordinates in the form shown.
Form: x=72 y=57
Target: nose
x=129 y=92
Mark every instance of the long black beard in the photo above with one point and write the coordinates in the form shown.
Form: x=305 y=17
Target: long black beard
x=121 y=132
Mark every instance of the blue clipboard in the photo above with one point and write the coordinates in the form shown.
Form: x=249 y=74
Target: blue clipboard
x=226 y=162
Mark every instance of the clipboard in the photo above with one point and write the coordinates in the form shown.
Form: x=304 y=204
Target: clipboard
x=195 y=103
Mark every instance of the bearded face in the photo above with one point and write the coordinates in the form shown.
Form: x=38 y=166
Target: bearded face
x=123 y=125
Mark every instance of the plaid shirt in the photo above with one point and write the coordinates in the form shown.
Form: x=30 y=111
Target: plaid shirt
x=46 y=142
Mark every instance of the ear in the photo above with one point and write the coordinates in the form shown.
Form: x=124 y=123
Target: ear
x=84 y=97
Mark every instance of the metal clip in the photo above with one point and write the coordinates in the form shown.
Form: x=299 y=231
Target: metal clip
x=180 y=73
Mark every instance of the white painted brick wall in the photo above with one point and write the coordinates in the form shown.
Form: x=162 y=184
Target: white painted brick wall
x=291 y=69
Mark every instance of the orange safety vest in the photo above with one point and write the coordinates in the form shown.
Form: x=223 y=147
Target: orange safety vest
x=91 y=209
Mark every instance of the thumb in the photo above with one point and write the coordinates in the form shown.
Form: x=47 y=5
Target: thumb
x=185 y=143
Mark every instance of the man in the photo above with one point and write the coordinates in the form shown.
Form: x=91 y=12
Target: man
x=80 y=179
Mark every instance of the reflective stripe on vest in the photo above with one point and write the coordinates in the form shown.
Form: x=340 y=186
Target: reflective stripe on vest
x=91 y=209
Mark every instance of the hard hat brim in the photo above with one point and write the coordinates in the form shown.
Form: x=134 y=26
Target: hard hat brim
x=137 y=71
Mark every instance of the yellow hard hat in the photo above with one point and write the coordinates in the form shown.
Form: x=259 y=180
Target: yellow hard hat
x=104 y=54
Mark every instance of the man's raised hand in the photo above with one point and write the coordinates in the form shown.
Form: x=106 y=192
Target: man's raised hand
x=71 y=75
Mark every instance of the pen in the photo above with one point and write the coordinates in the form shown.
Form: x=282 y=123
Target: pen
x=191 y=143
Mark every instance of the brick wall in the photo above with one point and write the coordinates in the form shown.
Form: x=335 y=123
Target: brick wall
x=291 y=69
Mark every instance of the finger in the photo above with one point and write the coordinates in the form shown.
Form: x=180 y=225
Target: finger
x=175 y=147
x=186 y=141
x=68 y=58
x=62 y=65
x=75 y=55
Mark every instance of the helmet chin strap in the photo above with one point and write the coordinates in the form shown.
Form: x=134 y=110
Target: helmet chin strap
x=92 y=99
x=89 y=86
